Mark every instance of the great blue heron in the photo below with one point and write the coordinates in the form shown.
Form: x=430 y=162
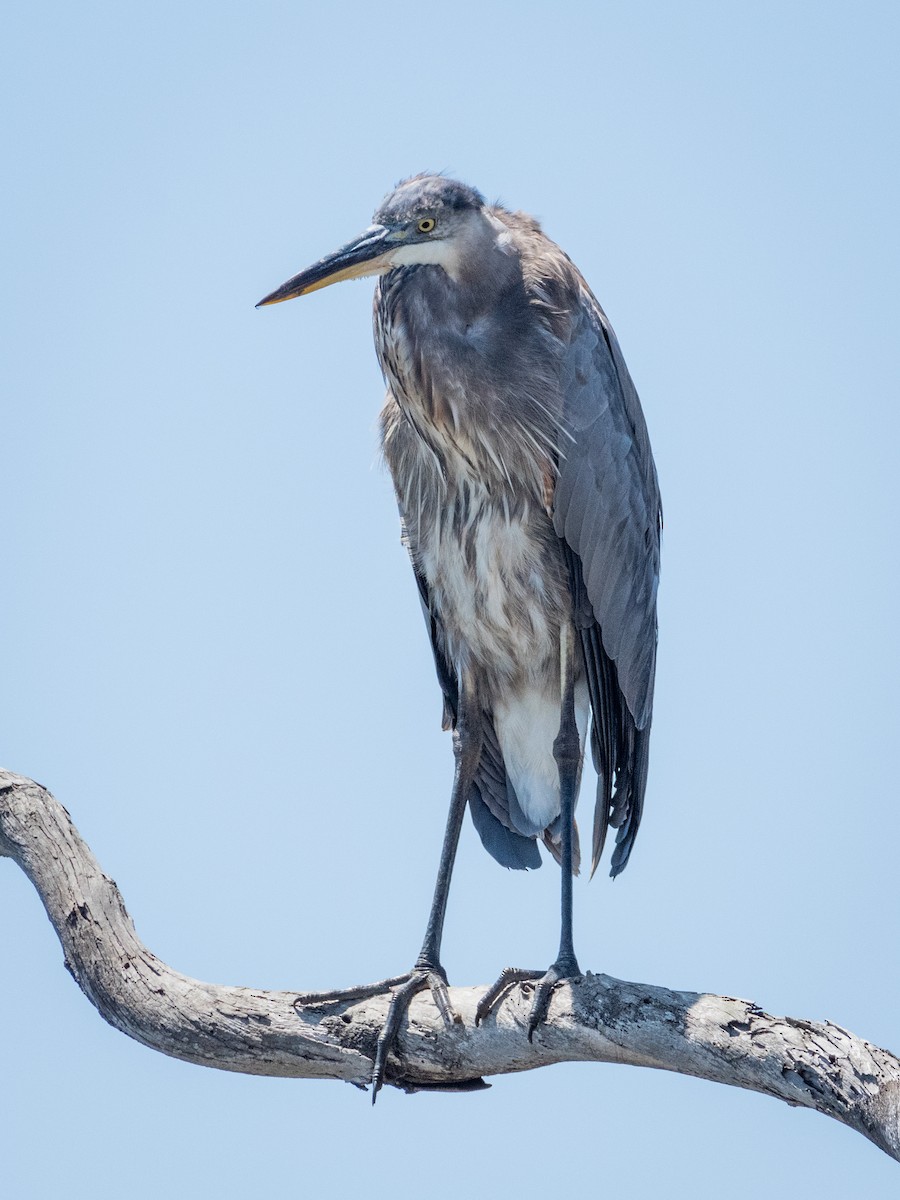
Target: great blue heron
x=530 y=507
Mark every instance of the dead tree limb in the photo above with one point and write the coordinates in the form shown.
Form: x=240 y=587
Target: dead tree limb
x=817 y=1065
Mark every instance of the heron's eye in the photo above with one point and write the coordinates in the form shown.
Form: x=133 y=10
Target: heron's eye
x=426 y=225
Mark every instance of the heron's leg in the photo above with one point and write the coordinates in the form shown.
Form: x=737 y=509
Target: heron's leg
x=567 y=752
x=428 y=972
x=467 y=740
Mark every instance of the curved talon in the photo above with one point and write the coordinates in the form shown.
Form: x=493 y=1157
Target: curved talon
x=400 y=1002
x=407 y=986
x=441 y=995
x=416 y=981
x=561 y=970
x=541 y=1002
x=508 y=977
x=544 y=982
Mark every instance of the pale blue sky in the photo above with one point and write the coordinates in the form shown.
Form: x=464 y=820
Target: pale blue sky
x=212 y=644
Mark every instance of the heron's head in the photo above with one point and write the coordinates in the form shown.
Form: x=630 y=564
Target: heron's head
x=426 y=220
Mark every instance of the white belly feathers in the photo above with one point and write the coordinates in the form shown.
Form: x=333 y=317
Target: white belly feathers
x=486 y=571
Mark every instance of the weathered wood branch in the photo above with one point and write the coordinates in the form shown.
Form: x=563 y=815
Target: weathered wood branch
x=598 y=1019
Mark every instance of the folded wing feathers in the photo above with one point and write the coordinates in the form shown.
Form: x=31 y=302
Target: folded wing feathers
x=607 y=512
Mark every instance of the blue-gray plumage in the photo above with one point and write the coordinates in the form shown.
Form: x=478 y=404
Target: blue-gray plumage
x=530 y=508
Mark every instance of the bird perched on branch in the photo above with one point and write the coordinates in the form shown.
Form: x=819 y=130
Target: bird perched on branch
x=530 y=507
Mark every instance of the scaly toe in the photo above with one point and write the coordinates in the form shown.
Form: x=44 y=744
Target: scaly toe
x=540 y=1005
x=416 y=981
x=508 y=977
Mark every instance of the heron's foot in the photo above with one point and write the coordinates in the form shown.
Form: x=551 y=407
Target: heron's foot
x=563 y=968
x=423 y=975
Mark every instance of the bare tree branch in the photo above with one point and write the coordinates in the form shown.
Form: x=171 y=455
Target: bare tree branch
x=598 y=1019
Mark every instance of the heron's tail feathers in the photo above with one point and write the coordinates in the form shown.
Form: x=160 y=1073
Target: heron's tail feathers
x=628 y=801
x=489 y=804
x=509 y=848
x=505 y=830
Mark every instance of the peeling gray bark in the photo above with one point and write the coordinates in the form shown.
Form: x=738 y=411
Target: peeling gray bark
x=817 y=1065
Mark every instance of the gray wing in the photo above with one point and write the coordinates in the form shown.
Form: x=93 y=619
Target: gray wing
x=607 y=511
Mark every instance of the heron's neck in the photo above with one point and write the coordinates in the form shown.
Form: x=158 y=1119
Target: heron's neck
x=483 y=258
